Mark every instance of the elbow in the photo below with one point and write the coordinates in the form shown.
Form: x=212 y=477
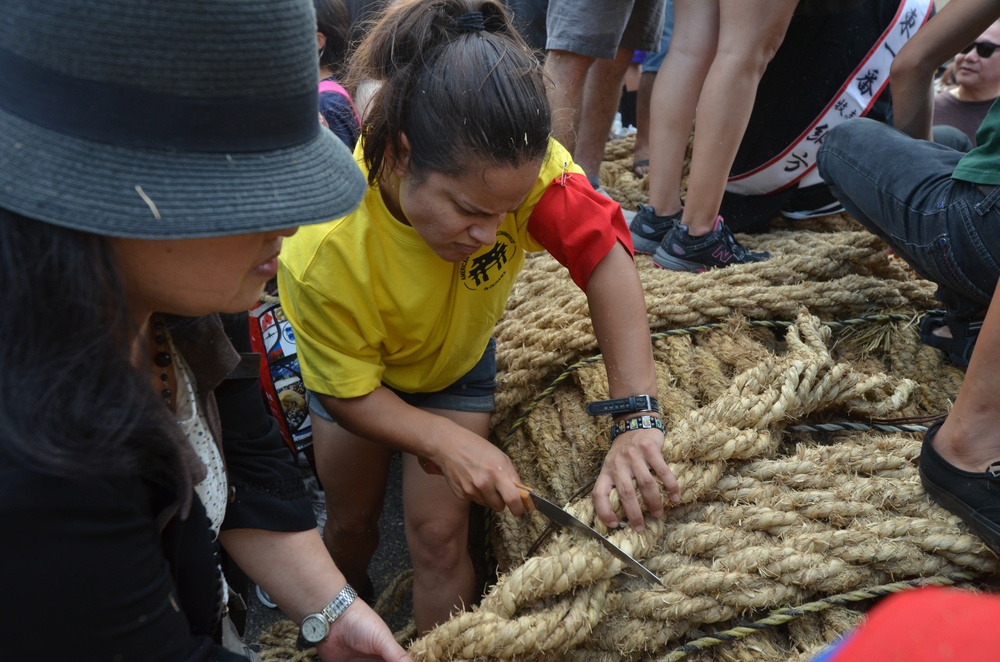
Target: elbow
x=911 y=65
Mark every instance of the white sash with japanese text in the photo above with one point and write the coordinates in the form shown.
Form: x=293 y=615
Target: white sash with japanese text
x=797 y=163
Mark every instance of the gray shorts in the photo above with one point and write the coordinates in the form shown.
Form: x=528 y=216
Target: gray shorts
x=473 y=391
x=597 y=28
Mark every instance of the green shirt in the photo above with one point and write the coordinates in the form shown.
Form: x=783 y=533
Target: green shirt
x=982 y=164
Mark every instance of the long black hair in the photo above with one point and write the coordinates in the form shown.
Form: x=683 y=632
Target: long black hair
x=456 y=78
x=71 y=403
x=333 y=22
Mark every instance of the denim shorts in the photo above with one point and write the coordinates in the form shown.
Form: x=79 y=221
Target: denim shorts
x=654 y=59
x=474 y=391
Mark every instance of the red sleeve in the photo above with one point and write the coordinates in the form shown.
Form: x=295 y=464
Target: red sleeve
x=578 y=226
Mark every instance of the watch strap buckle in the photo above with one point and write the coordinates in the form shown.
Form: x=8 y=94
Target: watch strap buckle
x=629 y=405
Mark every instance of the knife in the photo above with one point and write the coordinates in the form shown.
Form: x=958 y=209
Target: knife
x=567 y=520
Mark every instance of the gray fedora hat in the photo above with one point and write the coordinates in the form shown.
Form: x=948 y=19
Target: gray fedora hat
x=167 y=119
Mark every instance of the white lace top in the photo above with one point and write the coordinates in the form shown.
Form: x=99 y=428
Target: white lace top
x=213 y=489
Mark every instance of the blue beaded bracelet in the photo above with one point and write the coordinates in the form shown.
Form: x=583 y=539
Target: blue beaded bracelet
x=639 y=422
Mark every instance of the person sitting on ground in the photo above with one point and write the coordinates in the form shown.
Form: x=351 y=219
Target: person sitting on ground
x=977 y=77
x=717 y=55
x=335 y=104
x=122 y=233
x=936 y=207
x=393 y=305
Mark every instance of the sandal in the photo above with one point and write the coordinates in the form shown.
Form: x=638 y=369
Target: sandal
x=973 y=497
x=640 y=163
x=964 y=334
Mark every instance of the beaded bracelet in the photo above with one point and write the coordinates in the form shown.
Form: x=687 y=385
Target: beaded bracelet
x=639 y=422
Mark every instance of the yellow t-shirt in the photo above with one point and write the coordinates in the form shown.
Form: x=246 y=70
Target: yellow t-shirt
x=370 y=302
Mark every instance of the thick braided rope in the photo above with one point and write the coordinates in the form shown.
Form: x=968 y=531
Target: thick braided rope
x=753 y=533
x=834 y=275
x=780 y=518
x=769 y=324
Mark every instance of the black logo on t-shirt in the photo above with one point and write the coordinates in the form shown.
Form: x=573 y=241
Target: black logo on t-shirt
x=485 y=271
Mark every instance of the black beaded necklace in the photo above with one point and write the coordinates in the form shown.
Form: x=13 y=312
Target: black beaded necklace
x=162 y=358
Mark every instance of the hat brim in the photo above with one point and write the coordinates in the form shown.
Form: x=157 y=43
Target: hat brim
x=140 y=193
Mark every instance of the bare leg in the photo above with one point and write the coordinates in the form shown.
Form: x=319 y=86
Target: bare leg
x=642 y=103
x=969 y=438
x=601 y=96
x=750 y=32
x=566 y=73
x=353 y=472
x=675 y=97
x=437 y=532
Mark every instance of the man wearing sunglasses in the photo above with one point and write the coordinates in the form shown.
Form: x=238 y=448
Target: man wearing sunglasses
x=976 y=72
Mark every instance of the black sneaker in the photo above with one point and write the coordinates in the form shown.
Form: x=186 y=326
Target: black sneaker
x=648 y=229
x=681 y=252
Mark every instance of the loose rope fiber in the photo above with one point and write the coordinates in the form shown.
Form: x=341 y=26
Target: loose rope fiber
x=794 y=439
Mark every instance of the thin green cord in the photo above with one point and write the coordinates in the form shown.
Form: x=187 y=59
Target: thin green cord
x=782 y=616
x=691 y=330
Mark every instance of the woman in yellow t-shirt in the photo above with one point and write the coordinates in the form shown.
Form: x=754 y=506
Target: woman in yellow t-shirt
x=393 y=305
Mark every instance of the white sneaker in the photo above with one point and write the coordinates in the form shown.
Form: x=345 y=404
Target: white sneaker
x=265 y=599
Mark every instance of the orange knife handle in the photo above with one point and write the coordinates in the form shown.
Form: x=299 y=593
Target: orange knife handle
x=529 y=503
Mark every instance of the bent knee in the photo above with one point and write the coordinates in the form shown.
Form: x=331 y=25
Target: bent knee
x=437 y=544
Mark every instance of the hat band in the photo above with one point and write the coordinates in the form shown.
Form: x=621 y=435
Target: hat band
x=129 y=116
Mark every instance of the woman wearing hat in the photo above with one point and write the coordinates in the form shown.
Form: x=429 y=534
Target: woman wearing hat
x=146 y=183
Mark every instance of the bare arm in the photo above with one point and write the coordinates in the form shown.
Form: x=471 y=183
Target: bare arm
x=297 y=571
x=618 y=312
x=912 y=71
x=474 y=468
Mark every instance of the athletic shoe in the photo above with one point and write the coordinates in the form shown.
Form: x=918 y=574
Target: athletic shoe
x=811 y=202
x=648 y=229
x=802 y=214
x=265 y=599
x=680 y=251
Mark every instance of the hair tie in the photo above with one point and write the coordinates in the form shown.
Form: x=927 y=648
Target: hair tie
x=471 y=22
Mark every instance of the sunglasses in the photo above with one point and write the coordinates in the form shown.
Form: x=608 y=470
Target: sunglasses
x=983 y=48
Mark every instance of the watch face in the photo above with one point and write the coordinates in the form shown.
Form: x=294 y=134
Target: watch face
x=315 y=628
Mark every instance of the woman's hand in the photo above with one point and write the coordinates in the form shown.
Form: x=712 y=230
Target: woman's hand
x=476 y=469
x=360 y=633
x=451 y=443
x=635 y=455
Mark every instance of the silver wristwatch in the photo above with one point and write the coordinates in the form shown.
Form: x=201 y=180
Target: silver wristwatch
x=316 y=627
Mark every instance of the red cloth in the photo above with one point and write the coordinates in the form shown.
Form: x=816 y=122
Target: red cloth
x=578 y=226
x=927 y=625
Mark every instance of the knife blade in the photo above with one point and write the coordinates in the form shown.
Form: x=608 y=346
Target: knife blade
x=567 y=520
